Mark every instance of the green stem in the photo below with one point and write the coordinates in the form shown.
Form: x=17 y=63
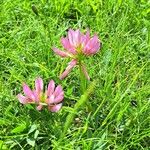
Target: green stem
x=80 y=103
x=83 y=86
x=82 y=79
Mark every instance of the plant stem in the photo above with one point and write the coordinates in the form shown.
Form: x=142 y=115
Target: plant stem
x=80 y=103
x=83 y=83
x=83 y=86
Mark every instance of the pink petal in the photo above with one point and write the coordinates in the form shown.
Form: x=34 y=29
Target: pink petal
x=36 y=96
x=85 y=72
x=39 y=85
x=58 y=99
x=66 y=44
x=22 y=99
x=70 y=36
x=27 y=91
x=94 y=40
x=76 y=38
x=68 y=69
x=61 y=53
x=91 y=45
x=39 y=107
x=51 y=87
x=95 y=48
x=50 y=100
x=87 y=35
x=55 y=108
x=58 y=90
x=85 y=38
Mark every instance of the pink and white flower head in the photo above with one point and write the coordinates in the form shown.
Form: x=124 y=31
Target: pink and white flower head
x=76 y=46
x=52 y=97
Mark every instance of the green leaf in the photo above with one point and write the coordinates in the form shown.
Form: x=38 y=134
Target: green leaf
x=3 y=121
x=36 y=134
x=31 y=142
x=3 y=146
x=32 y=129
x=20 y=128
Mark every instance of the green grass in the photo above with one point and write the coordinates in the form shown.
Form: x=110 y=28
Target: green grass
x=120 y=114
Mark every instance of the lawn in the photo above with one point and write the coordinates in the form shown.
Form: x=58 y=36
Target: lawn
x=113 y=111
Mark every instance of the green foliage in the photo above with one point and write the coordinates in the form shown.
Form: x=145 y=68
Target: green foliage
x=119 y=104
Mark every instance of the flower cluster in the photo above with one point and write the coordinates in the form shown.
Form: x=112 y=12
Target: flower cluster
x=76 y=46
x=52 y=97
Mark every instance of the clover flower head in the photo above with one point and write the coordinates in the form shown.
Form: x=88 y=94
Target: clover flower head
x=76 y=46
x=52 y=97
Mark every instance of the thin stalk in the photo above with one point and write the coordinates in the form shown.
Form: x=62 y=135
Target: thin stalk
x=83 y=86
x=83 y=83
x=80 y=103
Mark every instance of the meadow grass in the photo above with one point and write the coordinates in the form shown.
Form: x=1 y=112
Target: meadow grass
x=119 y=97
